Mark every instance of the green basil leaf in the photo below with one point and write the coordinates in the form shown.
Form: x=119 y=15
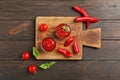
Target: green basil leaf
x=43 y=66
x=47 y=65
x=66 y=28
x=51 y=63
x=35 y=52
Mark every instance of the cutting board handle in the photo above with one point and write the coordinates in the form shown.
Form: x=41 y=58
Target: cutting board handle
x=92 y=37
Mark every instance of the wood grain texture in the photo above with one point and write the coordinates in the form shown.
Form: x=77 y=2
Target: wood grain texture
x=29 y=9
x=53 y=22
x=63 y=70
x=12 y=50
x=17 y=18
x=25 y=30
x=12 y=30
x=91 y=37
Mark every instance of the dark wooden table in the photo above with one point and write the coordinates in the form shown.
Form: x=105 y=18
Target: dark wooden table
x=17 y=25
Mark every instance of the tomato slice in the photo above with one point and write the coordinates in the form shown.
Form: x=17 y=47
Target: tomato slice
x=63 y=30
x=48 y=44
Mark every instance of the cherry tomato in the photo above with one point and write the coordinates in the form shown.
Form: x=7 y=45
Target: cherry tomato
x=32 y=69
x=43 y=27
x=26 y=55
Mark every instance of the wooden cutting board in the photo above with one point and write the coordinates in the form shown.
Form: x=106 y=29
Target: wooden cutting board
x=90 y=37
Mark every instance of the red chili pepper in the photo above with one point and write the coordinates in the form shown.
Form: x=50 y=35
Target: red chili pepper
x=76 y=48
x=87 y=25
x=64 y=52
x=86 y=19
x=80 y=10
x=69 y=41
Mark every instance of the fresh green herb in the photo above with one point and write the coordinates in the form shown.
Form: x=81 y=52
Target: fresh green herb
x=66 y=28
x=35 y=52
x=47 y=65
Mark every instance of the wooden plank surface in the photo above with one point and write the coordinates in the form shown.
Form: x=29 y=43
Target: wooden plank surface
x=78 y=70
x=21 y=30
x=12 y=50
x=29 y=9
x=83 y=37
x=76 y=30
x=17 y=24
